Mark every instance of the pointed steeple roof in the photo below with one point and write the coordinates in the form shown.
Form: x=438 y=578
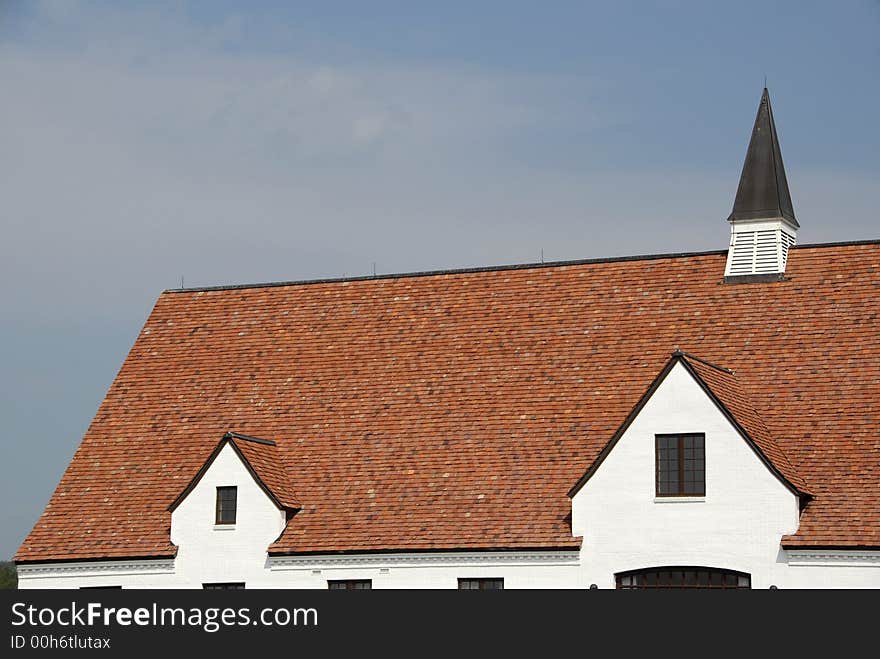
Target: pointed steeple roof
x=763 y=188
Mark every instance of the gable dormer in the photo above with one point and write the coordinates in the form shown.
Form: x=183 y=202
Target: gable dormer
x=679 y=409
x=691 y=477
x=261 y=460
x=233 y=508
x=763 y=226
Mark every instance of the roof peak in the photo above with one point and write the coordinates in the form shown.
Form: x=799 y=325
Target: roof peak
x=681 y=353
x=248 y=438
x=763 y=188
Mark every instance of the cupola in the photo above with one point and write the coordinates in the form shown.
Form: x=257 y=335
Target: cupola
x=762 y=225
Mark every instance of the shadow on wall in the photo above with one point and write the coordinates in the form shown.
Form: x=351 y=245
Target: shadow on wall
x=8 y=576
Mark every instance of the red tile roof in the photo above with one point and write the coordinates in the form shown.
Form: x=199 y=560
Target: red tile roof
x=456 y=410
x=271 y=468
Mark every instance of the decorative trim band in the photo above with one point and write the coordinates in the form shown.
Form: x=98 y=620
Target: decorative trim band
x=571 y=558
x=93 y=568
x=833 y=558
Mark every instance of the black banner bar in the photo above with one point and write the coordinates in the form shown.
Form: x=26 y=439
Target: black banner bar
x=125 y=621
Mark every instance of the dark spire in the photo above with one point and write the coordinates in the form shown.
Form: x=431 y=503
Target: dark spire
x=763 y=188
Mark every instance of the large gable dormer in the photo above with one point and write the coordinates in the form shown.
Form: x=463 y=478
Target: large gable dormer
x=693 y=419
x=722 y=389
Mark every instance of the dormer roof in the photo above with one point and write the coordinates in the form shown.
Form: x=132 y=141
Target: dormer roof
x=721 y=386
x=725 y=390
x=264 y=462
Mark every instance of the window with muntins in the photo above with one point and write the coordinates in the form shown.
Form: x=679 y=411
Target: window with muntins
x=350 y=584
x=683 y=577
x=227 y=502
x=481 y=584
x=681 y=465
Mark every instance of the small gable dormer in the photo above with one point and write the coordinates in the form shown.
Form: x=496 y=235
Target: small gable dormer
x=261 y=460
x=236 y=505
x=763 y=227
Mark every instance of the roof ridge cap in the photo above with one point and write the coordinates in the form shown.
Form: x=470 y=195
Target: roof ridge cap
x=681 y=353
x=249 y=438
x=455 y=271
x=495 y=268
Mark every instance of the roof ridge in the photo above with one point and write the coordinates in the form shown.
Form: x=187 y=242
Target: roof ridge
x=494 y=268
x=682 y=353
x=249 y=438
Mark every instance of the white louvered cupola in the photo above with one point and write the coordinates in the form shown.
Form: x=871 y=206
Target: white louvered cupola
x=759 y=248
x=763 y=227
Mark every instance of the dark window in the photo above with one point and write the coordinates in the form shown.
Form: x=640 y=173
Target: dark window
x=683 y=577
x=351 y=584
x=681 y=465
x=223 y=586
x=481 y=584
x=226 y=504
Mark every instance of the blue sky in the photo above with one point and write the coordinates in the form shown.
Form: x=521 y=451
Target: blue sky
x=231 y=142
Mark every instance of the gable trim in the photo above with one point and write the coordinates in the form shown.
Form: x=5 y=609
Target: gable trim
x=623 y=427
x=250 y=438
x=742 y=431
x=229 y=438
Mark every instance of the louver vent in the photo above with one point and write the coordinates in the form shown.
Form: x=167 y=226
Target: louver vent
x=787 y=244
x=758 y=252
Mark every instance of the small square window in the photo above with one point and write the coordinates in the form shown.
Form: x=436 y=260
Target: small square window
x=227 y=502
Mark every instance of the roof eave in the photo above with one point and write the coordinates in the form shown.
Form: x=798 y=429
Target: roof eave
x=170 y=553
x=573 y=546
